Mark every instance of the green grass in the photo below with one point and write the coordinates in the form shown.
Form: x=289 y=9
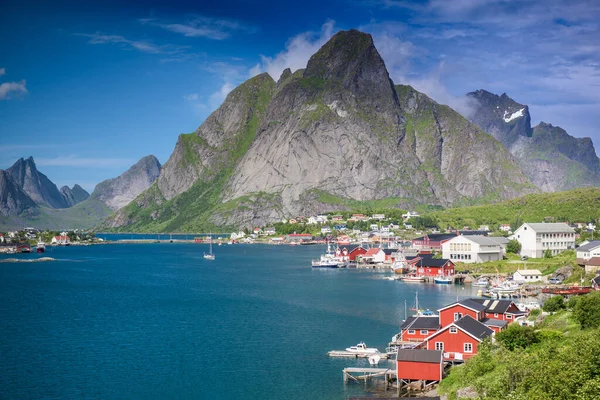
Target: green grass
x=513 y=262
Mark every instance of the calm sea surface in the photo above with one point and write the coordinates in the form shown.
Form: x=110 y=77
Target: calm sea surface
x=157 y=321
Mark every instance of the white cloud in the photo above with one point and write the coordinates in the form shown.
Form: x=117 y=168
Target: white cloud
x=296 y=54
x=191 y=97
x=75 y=161
x=201 y=26
x=217 y=98
x=2 y=71
x=140 y=45
x=8 y=89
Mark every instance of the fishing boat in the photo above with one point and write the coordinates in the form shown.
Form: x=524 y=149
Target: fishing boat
x=331 y=259
x=23 y=248
x=41 y=247
x=413 y=279
x=361 y=348
x=443 y=280
x=482 y=282
x=210 y=255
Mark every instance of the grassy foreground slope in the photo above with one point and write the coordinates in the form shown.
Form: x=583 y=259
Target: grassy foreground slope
x=578 y=205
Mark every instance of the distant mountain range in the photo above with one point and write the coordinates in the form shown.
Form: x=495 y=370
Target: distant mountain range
x=548 y=155
x=336 y=135
x=28 y=197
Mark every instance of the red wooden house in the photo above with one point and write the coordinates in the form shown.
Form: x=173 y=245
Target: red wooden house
x=420 y=364
x=505 y=310
x=432 y=241
x=459 y=340
x=456 y=311
x=355 y=252
x=417 y=329
x=428 y=266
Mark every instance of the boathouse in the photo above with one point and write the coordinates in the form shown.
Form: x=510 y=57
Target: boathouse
x=61 y=240
x=458 y=310
x=420 y=364
x=356 y=252
x=298 y=237
x=374 y=255
x=459 y=340
x=429 y=266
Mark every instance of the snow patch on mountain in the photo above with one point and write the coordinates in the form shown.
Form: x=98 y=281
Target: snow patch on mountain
x=516 y=114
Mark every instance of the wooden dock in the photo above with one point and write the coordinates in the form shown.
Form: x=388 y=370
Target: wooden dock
x=357 y=374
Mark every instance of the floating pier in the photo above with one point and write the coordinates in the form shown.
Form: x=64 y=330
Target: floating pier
x=349 y=354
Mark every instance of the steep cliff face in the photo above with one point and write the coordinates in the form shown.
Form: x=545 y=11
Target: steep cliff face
x=13 y=200
x=75 y=195
x=37 y=185
x=501 y=117
x=551 y=158
x=338 y=130
x=117 y=192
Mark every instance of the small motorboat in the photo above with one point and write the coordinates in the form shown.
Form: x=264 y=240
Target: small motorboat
x=41 y=247
x=362 y=348
x=413 y=278
x=482 y=282
x=443 y=280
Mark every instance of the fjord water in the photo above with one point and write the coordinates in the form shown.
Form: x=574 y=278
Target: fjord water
x=150 y=321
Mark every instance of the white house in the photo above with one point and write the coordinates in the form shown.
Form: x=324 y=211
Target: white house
x=410 y=215
x=502 y=241
x=325 y=229
x=374 y=227
x=321 y=219
x=485 y=228
x=61 y=240
x=471 y=249
x=1 y=238
x=589 y=250
x=505 y=227
x=527 y=275
x=536 y=238
x=407 y=226
x=378 y=216
x=311 y=221
x=270 y=231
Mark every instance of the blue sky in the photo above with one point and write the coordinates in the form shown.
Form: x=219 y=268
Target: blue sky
x=88 y=88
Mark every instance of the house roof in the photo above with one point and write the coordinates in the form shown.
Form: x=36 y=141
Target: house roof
x=589 y=246
x=482 y=240
x=389 y=252
x=529 y=272
x=373 y=251
x=468 y=303
x=422 y=322
x=436 y=237
x=552 y=227
x=499 y=239
x=470 y=233
x=354 y=247
x=473 y=327
x=432 y=262
x=494 y=322
x=419 y=355
x=594 y=261
x=494 y=306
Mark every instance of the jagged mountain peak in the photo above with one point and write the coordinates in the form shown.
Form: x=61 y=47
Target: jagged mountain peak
x=13 y=200
x=37 y=185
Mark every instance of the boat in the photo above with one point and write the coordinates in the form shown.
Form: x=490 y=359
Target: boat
x=413 y=278
x=361 y=348
x=41 y=247
x=569 y=290
x=507 y=287
x=443 y=280
x=374 y=359
x=210 y=255
x=399 y=266
x=482 y=282
x=23 y=248
x=331 y=259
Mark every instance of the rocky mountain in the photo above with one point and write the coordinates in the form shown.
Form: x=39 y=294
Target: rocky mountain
x=13 y=200
x=337 y=131
x=37 y=185
x=75 y=195
x=118 y=192
x=549 y=156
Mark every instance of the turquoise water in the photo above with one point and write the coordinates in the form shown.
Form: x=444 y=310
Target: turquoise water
x=150 y=321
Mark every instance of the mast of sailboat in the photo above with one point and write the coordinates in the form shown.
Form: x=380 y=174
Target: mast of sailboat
x=405 y=311
x=417 y=301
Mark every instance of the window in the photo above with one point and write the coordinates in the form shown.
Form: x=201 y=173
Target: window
x=439 y=346
x=411 y=331
x=457 y=316
x=495 y=315
x=424 y=331
x=509 y=317
x=453 y=329
x=468 y=348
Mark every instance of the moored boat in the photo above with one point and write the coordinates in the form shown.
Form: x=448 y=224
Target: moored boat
x=361 y=348
x=41 y=247
x=443 y=280
x=412 y=279
x=210 y=255
x=482 y=282
x=331 y=259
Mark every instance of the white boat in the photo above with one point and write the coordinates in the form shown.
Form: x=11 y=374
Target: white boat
x=507 y=287
x=362 y=348
x=482 y=282
x=399 y=266
x=527 y=306
x=374 y=359
x=331 y=259
x=412 y=278
x=210 y=255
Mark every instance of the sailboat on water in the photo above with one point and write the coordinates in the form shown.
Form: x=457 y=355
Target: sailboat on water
x=210 y=255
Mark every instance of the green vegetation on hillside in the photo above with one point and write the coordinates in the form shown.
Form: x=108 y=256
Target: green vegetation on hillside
x=558 y=359
x=570 y=206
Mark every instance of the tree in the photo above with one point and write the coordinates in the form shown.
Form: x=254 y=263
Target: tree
x=554 y=304
x=547 y=253
x=587 y=310
x=516 y=336
x=513 y=246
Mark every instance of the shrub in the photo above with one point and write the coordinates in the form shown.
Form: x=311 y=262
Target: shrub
x=554 y=304
x=513 y=246
x=516 y=336
x=587 y=310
